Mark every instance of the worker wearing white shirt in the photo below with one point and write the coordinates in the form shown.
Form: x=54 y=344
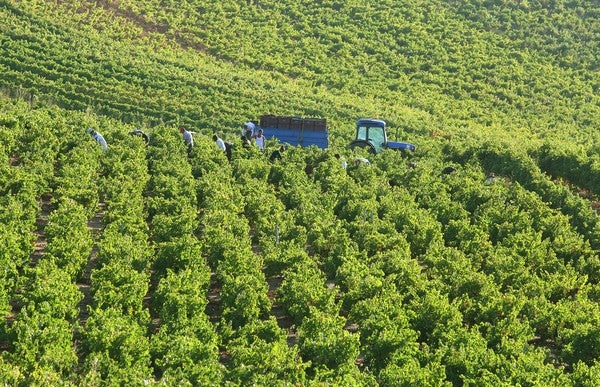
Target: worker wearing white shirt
x=259 y=140
x=220 y=142
x=187 y=138
x=98 y=138
x=224 y=146
x=342 y=161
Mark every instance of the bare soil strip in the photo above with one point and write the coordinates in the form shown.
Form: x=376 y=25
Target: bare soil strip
x=41 y=222
x=95 y=226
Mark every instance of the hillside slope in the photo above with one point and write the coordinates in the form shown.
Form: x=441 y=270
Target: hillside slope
x=168 y=268
x=520 y=73
x=149 y=264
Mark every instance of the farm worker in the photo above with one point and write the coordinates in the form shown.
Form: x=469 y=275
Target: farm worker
x=361 y=160
x=98 y=138
x=138 y=132
x=248 y=130
x=247 y=133
x=224 y=146
x=219 y=141
x=187 y=138
x=342 y=161
x=448 y=170
x=246 y=140
x=277 y=154
x=259 y=140
x=309 y=169
x=490 y=179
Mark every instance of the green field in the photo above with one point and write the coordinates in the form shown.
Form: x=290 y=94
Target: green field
x=145 y=265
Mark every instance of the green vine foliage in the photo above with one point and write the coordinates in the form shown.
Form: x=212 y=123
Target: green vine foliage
x=155 y=264
x=383 y=272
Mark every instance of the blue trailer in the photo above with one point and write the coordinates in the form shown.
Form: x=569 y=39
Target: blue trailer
x=294 y=130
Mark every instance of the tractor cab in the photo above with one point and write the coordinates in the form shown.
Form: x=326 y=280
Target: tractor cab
x=371 y=134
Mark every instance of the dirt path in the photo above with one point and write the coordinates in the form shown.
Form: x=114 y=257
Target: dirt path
x=214 y=307
x=147 y=302
x=284 y=321
x=41 y=222
x=583 y=193
x=95 y=226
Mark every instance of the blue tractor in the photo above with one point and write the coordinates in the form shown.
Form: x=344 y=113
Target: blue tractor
x=371 y=134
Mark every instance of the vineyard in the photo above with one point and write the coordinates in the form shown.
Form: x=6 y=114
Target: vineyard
x=146 y=264
x=162 y=267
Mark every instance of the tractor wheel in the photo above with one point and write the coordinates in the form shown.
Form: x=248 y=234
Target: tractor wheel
x=360 y=144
